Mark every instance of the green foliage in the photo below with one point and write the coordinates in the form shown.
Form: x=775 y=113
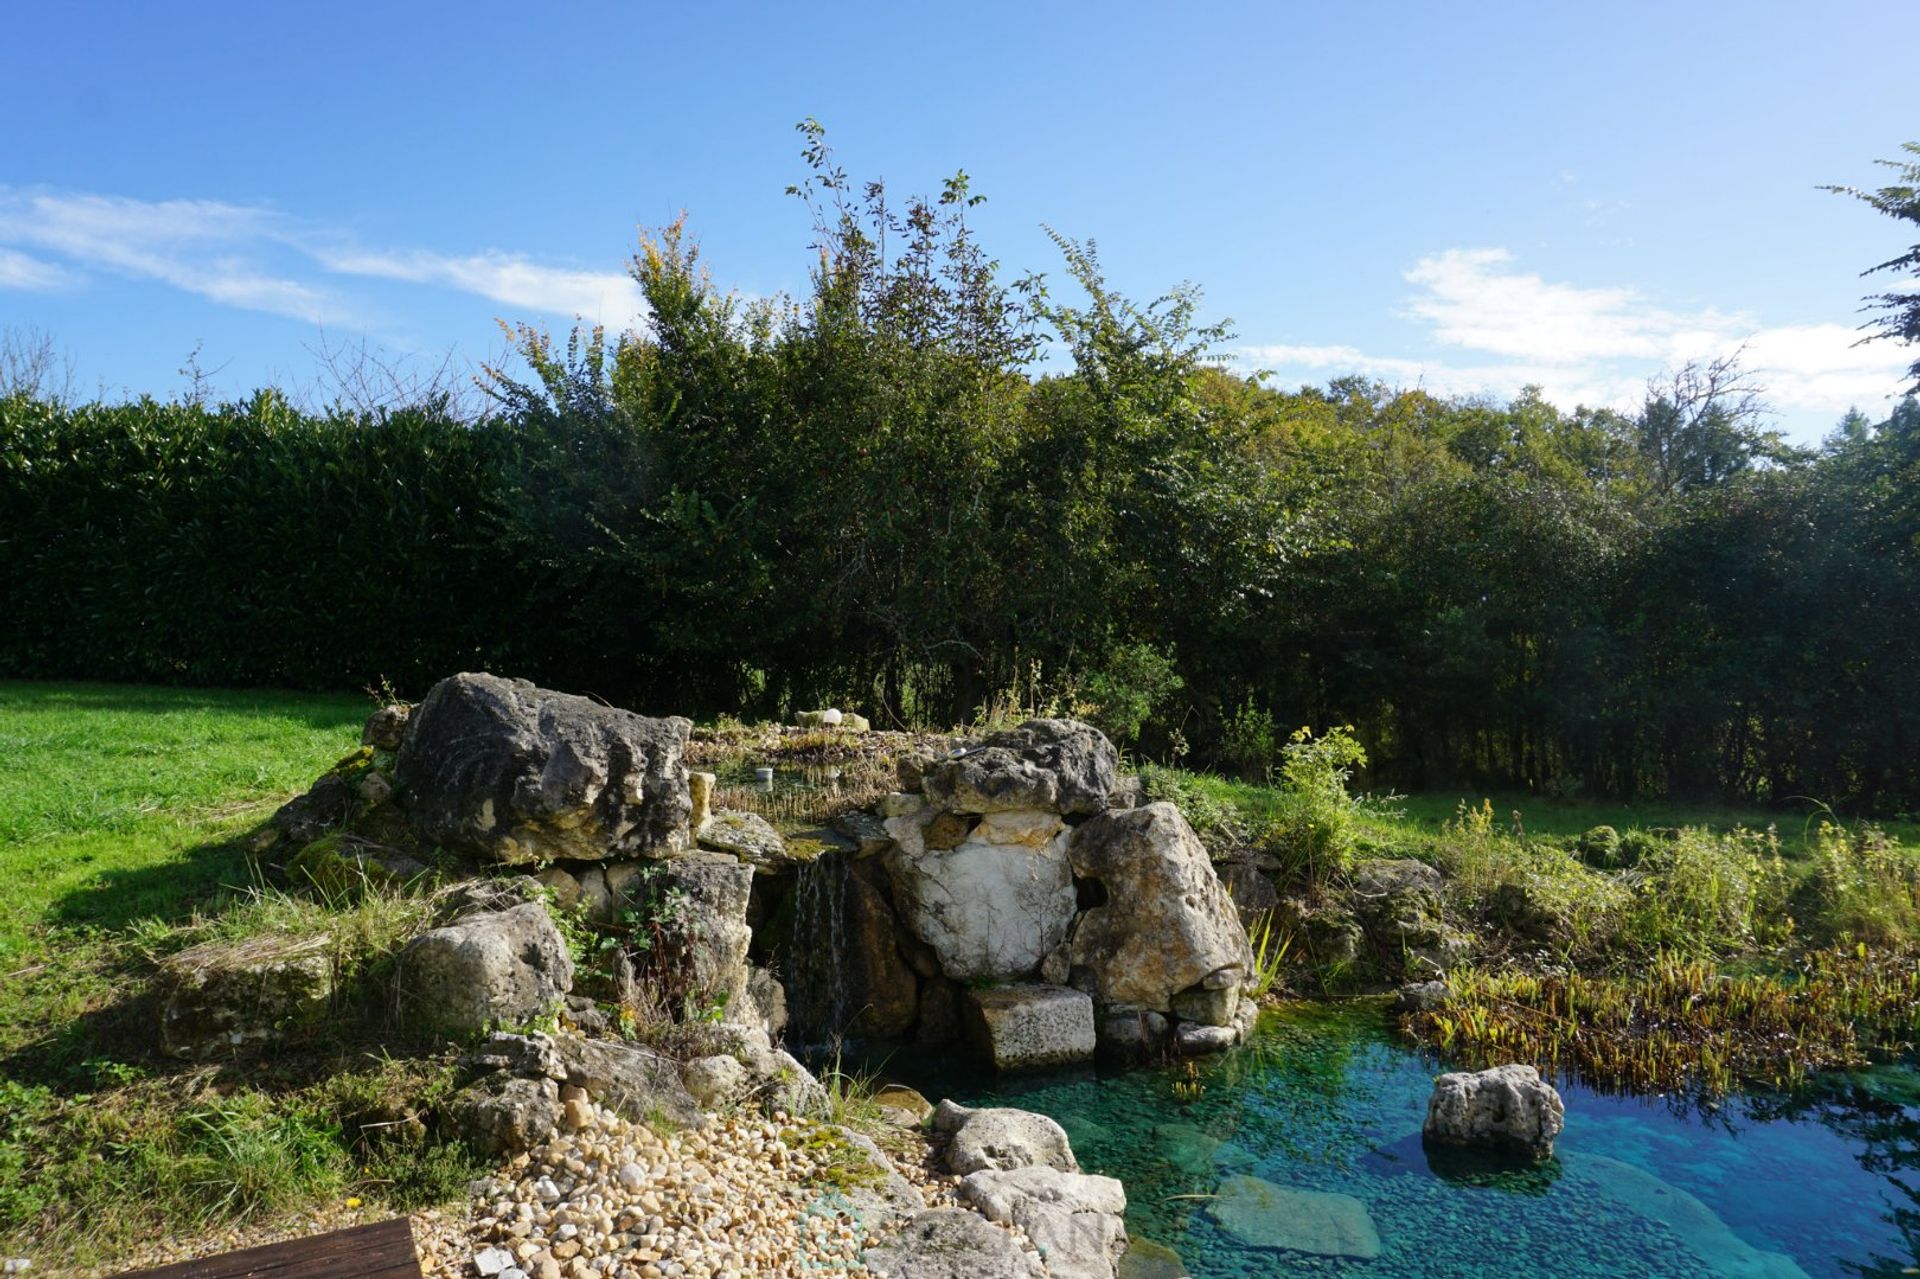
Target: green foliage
x=1703 y=894
x=1136 y=684
x=1899 y=308
x=874 y=494
x=1316 y=827
x=1864 y=889
x=1249 y=740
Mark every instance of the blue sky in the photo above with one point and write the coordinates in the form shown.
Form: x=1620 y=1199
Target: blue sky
x=1465 y=197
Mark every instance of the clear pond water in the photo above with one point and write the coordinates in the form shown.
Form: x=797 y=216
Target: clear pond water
x=1329 y=1102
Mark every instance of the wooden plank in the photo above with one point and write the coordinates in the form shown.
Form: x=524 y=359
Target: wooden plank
x=383 y=1250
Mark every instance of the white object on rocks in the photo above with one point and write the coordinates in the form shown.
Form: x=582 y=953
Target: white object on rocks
x=1031 y=1026
x=1505 y=1108
x=763 y=775
x=831 y=717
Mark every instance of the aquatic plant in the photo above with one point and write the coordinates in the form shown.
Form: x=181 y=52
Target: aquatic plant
x=1679 y=1024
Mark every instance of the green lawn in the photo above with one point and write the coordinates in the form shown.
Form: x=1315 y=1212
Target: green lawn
x=116 y=802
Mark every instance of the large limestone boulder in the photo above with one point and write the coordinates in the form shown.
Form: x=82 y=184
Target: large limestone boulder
x=699 y=903
x=1030 y=1026
x=1263 y=1215
x=514 y=773
x=1073 y=1219
x=1166 y=925
x=951 y=1243
x=487 y=969
x=1506 y=1108
x=992 y=897
x=221 y=997
x=1001 y=1137
x=1059 y=765
x=748 y=836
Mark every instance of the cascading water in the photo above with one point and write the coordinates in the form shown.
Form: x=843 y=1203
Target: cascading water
x=816 y=967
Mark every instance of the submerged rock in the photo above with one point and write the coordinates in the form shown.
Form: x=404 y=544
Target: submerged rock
x=514 y=773
x=1263 y=1215
x=1725 y=1254
x=1148 y=1259
x=1505 y=1108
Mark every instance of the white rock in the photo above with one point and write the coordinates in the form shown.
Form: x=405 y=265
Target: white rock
x=989 y=909
x=491 y=1261
x=1508 y=1107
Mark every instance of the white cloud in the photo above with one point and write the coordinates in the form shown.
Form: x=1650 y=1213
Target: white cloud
x=258 y=259
x=18 y=271
x=1595 y=346
x=605 y=296
x=194 y=245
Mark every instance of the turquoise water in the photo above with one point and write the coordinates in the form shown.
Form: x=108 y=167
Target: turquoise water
x=1327 y=1101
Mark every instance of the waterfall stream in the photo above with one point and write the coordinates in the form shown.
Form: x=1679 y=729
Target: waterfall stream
x=816 y=968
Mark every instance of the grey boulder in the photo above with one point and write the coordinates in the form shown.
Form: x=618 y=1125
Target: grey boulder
x=951 y=1243
x=1060 y=765
x=514 y=773
x=1000 y=1138
x=1506 y=1108
x=1073 y=1219
x=500 y=967
x=1166 y=925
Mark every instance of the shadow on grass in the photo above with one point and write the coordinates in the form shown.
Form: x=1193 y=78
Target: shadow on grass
x=323 y=711
x=169 y=891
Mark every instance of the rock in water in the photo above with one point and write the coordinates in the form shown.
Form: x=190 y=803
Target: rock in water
x=1059 y=765
x=1031 y=1026
x=502 y=966
x=1166 y=925
x=1506 y=1108
x=514 y=773
x=1725 y=1254
x=1263 y=1215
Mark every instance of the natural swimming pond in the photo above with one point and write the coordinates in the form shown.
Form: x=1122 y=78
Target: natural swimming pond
x=1329 y=1102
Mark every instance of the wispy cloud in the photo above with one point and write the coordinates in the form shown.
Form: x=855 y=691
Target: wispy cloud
x=259 y=259
x=1592 y=345
x=604 y=296
x=18 y=271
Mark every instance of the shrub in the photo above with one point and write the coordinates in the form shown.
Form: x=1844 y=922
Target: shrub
x=1534 y=892
x=1137 y=681
x=1865 y=888
x=1701 y=893
x=1316 y=826
x=1249 y=741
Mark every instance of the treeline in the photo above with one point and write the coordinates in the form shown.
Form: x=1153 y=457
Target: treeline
x=924 y=489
